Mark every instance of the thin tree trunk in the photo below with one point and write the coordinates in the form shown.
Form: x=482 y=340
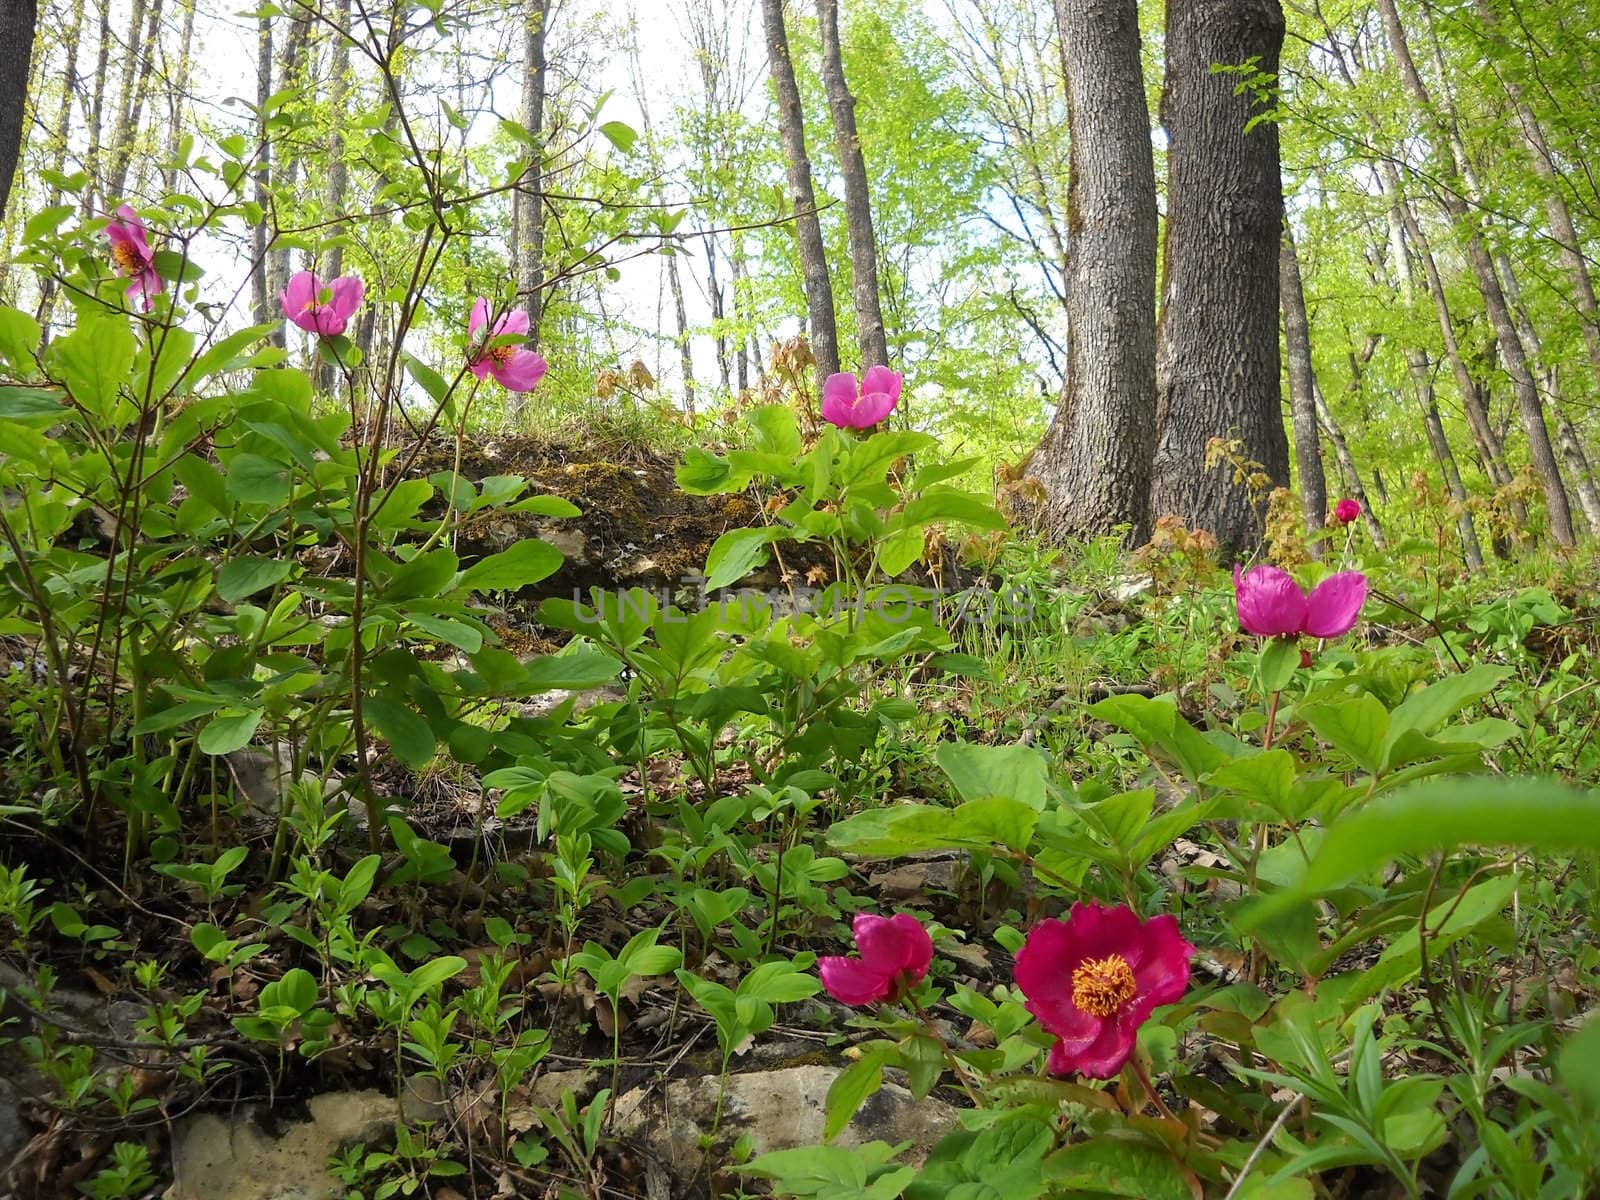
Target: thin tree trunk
x=1217 y=366
x=1347 y=467
x=18 y=20
x=259 y=300
x=742 y=341
x=1439 y=444
x=857 y=196
x=290 y=75
x=528 y=200
x=178 y=93
x=719 y=335
x=1302 y=398
x=685 y=354
x=135 y=79
x=337 y=180
x=97 y=107
x=802 y=199
x=1530 y=408
x=1095 y=460
x=1580 y=471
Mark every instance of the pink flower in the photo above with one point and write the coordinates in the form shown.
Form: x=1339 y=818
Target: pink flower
x=303 y=304
x=1272 y=604
x=130 y=251
x=895 y=953
x=859 y=406
x=1346 y=510
x=1094 y=978
x=514 y=368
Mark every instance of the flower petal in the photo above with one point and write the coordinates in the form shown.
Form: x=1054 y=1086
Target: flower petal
x=348 y=292
x=480 y=366
x=521 y=372
x=515 y=321
x=1334 y=605
x=480 y=315
x=298 y=293
x=1160 y=963
x=851 y=981
x=1270 y=602
x=839 y=396
x=1101 y=1058
x=894 y=944
x=872 y=408
x=882 y=379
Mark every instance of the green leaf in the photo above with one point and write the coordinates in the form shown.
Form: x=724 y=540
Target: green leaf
x=30 y=404
x=620 y=135
x=849 y=1091
x=1277 y=663
x=19 y=338
x=94 y=361
x=229 y=732
x=1110 y=1166
x=1443 y=814
x=45 y=221
x=900 y=549
x=1579 y=1065
x=978 y=772
x=1426 y=710
x=249 y=574
x=1358 y=727
x=577 y=670
x=526 y=562
x=252 y=479
x=432 y=382
x=949 y=505
x=408 y=735
x=225 y=354
x=736 y=553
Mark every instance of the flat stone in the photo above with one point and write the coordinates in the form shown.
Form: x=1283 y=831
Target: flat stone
x=778 y=1110
x=215 y=1157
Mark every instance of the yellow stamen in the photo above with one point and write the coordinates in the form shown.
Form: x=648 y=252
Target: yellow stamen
x=126 y=257
x=1101 y=986
x=502 y=354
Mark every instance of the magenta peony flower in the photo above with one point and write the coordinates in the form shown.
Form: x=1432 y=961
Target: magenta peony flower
x=1346 y=510
x=130 y=251
x=895 y=953
x=859 y=406
x=1272 y=604
x=302 y=303
x=1094 y=978
x=514 y=368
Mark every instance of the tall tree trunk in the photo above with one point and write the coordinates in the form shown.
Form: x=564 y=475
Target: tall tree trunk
x=337 y=180
x=260 y=301
x=1217 y=367
x=18 y=20
x=1439 y=444
x=141 y=55
x=1095 y=460
x=178 y=94
x=1302 y=394
x=719 y=331
x=528 y=200
x=857 y=196
x=1347 y=467
x=94 y=192
x=681 y=314
x=802 y=198
x=743 y=343
x=1530 y=408
x=290 y=75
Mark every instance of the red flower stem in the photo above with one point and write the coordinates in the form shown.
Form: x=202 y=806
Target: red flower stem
x=1272 y=720
x=949 y=1054
x=1144 y=1078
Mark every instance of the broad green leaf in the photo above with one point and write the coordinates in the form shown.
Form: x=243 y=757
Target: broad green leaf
x=408 y=735
x=252 y=479
x=225 y=354
x=525 y=563
x=1110 y=1166
x=19 y=338
x=230 y=731
x=1444 y=814
x=1426 y=710
x=849 y=1091
x=1358 y=727
x=94 y=361
x=251 y=573
x=978 y=772
x=738 y=552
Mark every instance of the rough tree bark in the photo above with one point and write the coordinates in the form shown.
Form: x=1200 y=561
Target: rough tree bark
x=857 y=195
x=1514 y=358
x=802 y=198
x=260 y=301
x=528 y=201
x=1094 y=462
x=1217 y=367
x=97 y=108
x=134 y=87
x=1302 y=390
x=18 y=20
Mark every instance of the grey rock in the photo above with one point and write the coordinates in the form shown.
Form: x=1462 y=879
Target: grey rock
x=213 y=1156
x=779 y=1110
x=13 y=1134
